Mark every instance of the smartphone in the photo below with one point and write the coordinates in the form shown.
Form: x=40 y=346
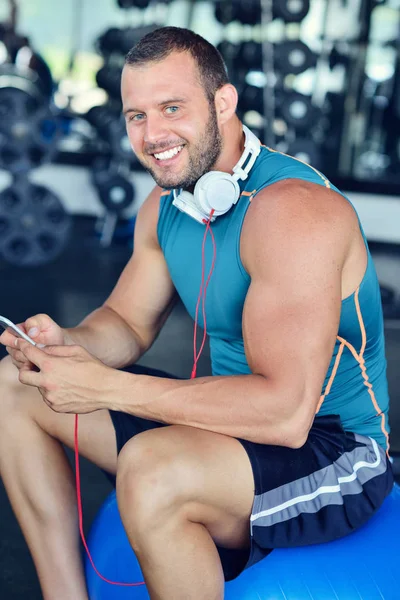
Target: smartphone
x=7 y=324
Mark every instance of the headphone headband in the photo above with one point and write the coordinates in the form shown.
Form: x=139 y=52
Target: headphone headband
x=250 y=153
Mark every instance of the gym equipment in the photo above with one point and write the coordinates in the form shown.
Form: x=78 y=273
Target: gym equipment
x=250 y=56
x=289 y=57
x=293 y=57
x=108 y=41
x=108 y=77
x=251 y=98
x=115 y=191
x=29 y=131
x=34 y=226
x=120 y=41
x=306 y=150
x=225 y=12
x=291 y=11
x=110 y=126
x=126 y=4
x=133 y=3
x=361 y=566
x=247 y=12
x=297 y=110
x=388 y=296
x=229 y=50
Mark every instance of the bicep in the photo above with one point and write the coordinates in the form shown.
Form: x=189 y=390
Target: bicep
x=289 y=335
x=144 y=294
x=292 y=310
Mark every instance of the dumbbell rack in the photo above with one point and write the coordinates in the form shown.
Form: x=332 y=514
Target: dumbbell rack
x=34 y=226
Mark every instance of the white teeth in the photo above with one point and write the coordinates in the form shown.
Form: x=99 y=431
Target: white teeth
x=168 y=153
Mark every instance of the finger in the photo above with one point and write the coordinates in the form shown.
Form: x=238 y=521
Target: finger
x=33 y=353
x=30 y=377
x=38 y=324
x=18 y=359
x=7 y=338
x=64 y=351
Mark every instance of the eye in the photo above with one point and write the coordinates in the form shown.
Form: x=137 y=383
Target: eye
x=137 y=117
x=171 y=109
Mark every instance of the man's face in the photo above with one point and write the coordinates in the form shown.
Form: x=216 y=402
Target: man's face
x=172 y=128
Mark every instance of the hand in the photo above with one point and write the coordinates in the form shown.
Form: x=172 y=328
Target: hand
x=69 y=378
x=41 y=328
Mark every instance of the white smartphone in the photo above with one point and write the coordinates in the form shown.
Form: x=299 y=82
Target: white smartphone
x=7 y=324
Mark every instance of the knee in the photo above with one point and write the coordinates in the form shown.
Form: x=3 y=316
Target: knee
x=9 y=382
x=152 y=481
x=10 y=390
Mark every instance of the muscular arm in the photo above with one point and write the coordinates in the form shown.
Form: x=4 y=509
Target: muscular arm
x=295 y=241
x=129 y=321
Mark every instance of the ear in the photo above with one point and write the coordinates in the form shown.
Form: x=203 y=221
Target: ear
x=226 y=99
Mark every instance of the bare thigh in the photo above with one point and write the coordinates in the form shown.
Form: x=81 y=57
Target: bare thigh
x=206 y=475
x=97 y=440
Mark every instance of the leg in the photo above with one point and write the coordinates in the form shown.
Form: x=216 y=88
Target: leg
x=39 y=480
x=180 y=490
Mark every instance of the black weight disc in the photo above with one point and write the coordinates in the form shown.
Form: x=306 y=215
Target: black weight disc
x=116 y=193
x=250 y=56
x=293 y=57
x=298 y=111
x=34 y=226
x=251 y=98
x=291 y=11
x=29 y=132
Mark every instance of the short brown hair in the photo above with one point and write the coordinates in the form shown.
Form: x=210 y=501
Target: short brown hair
x=160 y=43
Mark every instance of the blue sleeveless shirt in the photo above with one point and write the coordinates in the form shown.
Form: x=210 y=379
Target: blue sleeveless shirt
x=355 y=386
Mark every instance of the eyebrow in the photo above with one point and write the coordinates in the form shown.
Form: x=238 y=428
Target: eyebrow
x=170 y=101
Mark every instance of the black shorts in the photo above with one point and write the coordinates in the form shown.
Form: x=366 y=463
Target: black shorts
x=322 y=491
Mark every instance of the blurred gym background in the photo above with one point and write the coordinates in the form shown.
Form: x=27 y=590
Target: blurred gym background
x=318 y=79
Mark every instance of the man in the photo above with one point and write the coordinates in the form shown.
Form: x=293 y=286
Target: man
x=286 y=444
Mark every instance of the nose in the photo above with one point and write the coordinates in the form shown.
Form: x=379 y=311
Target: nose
x=155 y=129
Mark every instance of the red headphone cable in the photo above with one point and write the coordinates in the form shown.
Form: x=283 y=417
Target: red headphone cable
x=202 y=299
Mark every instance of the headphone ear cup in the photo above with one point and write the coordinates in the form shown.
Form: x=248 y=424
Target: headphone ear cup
x=216 y=191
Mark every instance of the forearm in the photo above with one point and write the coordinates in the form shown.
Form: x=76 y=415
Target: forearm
x=108 y=337
x=244 y=406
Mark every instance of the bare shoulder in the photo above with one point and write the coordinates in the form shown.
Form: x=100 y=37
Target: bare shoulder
x=147 y=218
x=295 y=215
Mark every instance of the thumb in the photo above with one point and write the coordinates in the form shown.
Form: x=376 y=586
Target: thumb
x=38 y=324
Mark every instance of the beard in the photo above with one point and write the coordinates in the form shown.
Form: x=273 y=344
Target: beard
x=203 y=155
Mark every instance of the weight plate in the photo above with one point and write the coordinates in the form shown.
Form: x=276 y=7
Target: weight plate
x=248 y=11
x=34 y=226
x=109 y=78
x=29 y=132
x=298 y=111
x=250 y=56
x=226 y=12
x=251 y=98
x=291 y=11
x=115 y=192
x=293 y=57
x=111 y=128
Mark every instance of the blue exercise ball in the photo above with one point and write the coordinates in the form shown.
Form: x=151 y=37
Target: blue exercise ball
x=364 y=565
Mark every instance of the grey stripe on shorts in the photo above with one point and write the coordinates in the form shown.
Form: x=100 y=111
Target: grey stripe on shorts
x=327 y=486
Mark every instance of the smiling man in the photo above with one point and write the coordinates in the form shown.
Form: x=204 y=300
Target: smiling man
x=286 y=443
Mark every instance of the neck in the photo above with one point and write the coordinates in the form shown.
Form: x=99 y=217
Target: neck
x=233 y=146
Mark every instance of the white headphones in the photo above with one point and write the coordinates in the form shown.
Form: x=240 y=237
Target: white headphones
x=218 y=190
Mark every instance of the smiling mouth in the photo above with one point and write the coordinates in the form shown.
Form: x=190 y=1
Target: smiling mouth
x=168 y=154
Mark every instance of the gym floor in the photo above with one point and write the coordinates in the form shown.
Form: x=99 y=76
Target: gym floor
x=79 y=281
